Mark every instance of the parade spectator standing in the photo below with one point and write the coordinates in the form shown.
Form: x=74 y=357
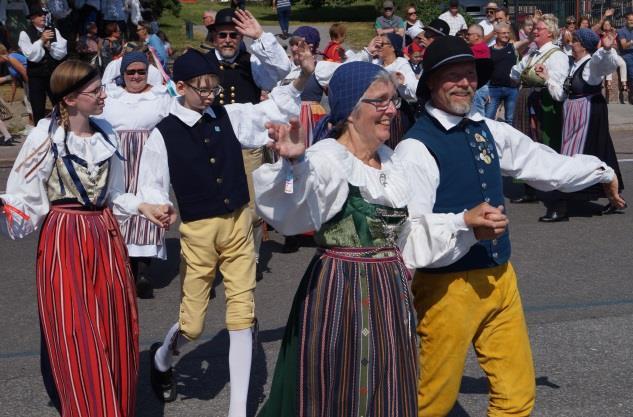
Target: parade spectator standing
x=243 y=76
x=283 y=8
x=457 y=158
x=88 y=44
x=538 y=112
x=152 y=40
x=455 y=20
x=44 y=48
x=480 y=51
x=197 y=150
x=134 y=109
x=389 y=22
x=488 y=23
x=111 y=45
x=437 y=28
x=585 y=114
x=334 y=51
x=411 y=20
x=115 y=11
x=112 y=72
x=607 y=29
x=625 y=37
x=525 y=34
x=502 y=88
x=208 y=18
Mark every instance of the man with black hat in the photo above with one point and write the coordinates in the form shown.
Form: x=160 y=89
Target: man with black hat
x=453 y=18
x=45 y=48
x=435 y=29
x=197 y=149
x=244 y=75
x=458 y=157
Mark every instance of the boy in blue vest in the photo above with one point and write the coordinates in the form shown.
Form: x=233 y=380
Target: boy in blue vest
x=458 y=158
x=197 y=149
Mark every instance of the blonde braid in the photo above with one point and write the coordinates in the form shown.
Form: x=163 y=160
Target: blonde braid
x=64 y=118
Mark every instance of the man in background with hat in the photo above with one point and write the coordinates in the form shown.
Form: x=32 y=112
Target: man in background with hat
x=244 y=76
x=458 y=157
x=455 y=20
x=389 y=22
x=488 y=23
x=44 y=48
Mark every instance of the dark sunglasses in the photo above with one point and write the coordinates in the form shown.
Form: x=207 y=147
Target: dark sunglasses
x=387 y=8
x=224 y=35
x=133 y=71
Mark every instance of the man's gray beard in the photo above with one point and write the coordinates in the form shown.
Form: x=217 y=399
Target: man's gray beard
x=460 y=108
x=233 y=55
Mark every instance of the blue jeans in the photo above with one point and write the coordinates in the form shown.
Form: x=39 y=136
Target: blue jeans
x=628 y=58
x=283 y=14
x=507 y=95
x=479 y=102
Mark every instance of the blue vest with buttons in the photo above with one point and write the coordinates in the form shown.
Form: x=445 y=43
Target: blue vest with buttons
x=205 y=165
x=470 y=174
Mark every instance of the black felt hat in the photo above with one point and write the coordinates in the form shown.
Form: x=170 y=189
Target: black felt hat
x=438 y=27
x=449 y=50
x=36 y=10
x=191 y=64
x=223 y=17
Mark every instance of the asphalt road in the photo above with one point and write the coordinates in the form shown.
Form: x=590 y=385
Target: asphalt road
x=576 y=280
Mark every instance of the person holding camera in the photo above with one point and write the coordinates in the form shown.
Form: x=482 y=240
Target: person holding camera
x=44 y=48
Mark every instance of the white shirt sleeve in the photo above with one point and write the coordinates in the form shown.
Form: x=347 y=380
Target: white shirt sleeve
x=153 y=178
x=248 y=119
x=408 y=89
x=269 y=61
x=29 y=195
x=602 y=63
x=319 y=192
x=58 y=48
x=558 y=69
x=429 y=239
x=34 y=52
x=542 y=167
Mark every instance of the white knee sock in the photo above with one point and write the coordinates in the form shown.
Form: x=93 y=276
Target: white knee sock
x=172 y=343
x=240 y=356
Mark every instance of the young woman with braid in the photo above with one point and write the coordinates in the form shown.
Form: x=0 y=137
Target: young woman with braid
x=66 y=183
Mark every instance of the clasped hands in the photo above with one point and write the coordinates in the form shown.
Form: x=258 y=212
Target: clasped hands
x=487 y=222
x=162 y=215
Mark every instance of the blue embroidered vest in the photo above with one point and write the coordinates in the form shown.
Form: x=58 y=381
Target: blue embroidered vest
x=470 y=174
x=205 y=165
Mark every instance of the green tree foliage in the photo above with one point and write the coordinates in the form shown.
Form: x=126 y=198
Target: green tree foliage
x=427 y=9
x=159 y=6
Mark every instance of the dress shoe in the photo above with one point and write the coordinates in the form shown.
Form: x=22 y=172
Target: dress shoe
x=610 y=209
x=162 y=382
x=554 y=216
x=144 y=289
x=524 y=199
x=259 y=274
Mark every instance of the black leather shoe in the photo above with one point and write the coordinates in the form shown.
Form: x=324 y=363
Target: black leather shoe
x=144 y=288
x=610 y=209
x=553 y=217
x=524 y=199
x=162 y=382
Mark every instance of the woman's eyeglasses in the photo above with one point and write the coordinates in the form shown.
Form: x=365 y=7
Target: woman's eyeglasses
x=135 y=71
x=224 y=35
x=96 y=92
x=206 y=92
x=382 y=104
x=412 y=13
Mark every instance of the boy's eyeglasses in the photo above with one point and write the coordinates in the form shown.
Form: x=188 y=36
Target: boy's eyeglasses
x=206 y=92
x=224 y=35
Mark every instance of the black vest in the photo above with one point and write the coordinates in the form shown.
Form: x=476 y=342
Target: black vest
x=45 y=67
x=205 y=165
x=237 y=80
x=577 y=87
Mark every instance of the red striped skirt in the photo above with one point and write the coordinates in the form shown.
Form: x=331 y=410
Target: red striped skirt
x=88 y=313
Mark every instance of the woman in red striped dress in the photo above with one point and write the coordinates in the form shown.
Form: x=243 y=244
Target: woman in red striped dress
x=66 y=179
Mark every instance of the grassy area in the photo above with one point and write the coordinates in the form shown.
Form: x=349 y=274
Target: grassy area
x=358 y=17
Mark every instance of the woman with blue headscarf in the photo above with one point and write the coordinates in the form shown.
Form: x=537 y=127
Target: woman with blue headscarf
x=586 y=115
x=133 y=110
x=349 y=345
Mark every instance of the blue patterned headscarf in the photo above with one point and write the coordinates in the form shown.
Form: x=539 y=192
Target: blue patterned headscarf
x=347 y=85
x=588 y=39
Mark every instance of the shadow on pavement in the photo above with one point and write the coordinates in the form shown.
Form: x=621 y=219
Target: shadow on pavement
x=147 y=405
x=163 y=272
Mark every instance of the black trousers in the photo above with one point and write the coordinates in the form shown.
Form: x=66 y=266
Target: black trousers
x=39 y=88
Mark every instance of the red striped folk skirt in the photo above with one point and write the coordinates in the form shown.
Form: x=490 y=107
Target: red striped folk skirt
x=87 y=307
x=349 y=349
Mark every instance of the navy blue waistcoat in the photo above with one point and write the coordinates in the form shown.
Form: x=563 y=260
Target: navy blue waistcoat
x=205 y=165
x=470 y=174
